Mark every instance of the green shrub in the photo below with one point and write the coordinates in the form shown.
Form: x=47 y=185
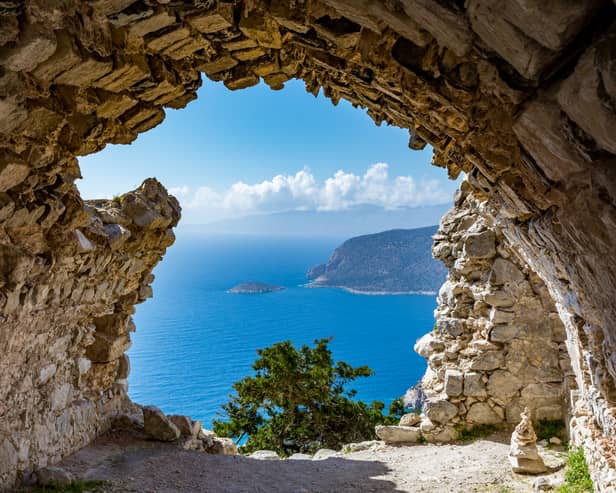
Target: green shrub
x=297 y=401
x=577 y=477
x=547 y=428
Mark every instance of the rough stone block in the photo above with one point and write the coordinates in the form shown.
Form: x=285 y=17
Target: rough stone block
x=480 y=245
x=527 y=56
x=440 y=411
x=242 y=82
x=213 y=23
x=503 y=385
x=122 y=78
x=410 y=419
x=447 y=26
x=84 y=73
x=221 y=64
x=487 y=361
x=453 y=382
x=13 y=171
x=107 y=348
x=151 y=24
x=33 y=48
x=249 y=55
x=588 y=95
x=166 y=40
x=540 y=129
x=157 y=426
x=504 y=271
x=243 y=44
x=553 y=24
x=473 y=385
x=64 y=58
x=398 y=434
x=482 y=414
x=116 y=106
x=264 y=31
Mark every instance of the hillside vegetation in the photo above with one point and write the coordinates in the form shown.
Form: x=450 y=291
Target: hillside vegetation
x=393 y=261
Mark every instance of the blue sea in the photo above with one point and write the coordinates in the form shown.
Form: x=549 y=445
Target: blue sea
x=194 y=340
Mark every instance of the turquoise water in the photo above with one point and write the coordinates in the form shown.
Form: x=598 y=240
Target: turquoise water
x=194 y=340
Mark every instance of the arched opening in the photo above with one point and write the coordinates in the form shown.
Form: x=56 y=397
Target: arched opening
x=522 y=102
x=273 y=228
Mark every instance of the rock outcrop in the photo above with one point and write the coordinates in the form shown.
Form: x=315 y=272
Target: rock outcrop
x=520 y=95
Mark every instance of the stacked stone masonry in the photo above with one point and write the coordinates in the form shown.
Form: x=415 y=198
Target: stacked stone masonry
x=520 y=95
x=498 y=345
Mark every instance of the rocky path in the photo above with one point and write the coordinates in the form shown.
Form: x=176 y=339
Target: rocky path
x=134 y=465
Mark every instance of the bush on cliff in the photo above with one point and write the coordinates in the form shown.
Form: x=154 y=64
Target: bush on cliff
x=297 y=401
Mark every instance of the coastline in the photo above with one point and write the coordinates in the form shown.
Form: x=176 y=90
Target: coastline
x=370 y=293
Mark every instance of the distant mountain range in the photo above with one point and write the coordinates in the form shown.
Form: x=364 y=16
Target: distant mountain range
x=339 y=224
x=396 y=261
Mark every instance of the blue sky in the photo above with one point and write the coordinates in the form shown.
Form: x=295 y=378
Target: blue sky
x=231 y=154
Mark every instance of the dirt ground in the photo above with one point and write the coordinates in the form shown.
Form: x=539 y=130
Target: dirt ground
x=134 y=465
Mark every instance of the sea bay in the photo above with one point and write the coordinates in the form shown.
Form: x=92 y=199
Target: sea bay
x=194 y=339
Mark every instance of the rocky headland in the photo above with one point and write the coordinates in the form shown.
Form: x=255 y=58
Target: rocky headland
x=391 y=262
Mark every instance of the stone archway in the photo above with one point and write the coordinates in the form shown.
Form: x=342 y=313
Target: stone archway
x=520 y=95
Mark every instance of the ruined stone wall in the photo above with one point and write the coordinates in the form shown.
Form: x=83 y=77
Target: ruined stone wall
x=519 y=94
x=498 y=344
x=66 y=319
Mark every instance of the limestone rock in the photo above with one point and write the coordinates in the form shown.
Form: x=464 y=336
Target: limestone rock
x=409 y=419
x=398 y=434
x=482 y=413
x=523 y=455
x=325 y=453
x=187 y=427
x=157 y=426
x=299 y=456
x=440 y=411
x=264 y=455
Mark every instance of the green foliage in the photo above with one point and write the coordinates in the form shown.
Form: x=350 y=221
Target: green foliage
x=547 y=428
x=117 y=199
x=577 y=477
x=72 y=487
x=297 y=402
x=474 y=433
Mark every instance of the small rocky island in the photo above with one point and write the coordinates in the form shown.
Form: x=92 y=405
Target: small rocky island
x=254 y=288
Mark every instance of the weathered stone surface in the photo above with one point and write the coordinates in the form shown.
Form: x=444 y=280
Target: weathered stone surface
x=454 y=381
x=481 y=413
x=264 y=455
x=157 y=426
x=398 y=434
x=481 y=81
x=410 y=419
x=440 y=411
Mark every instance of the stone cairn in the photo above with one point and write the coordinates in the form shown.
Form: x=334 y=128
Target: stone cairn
x=523 y=454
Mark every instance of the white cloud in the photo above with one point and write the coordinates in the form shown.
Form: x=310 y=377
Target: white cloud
x=302 y=191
